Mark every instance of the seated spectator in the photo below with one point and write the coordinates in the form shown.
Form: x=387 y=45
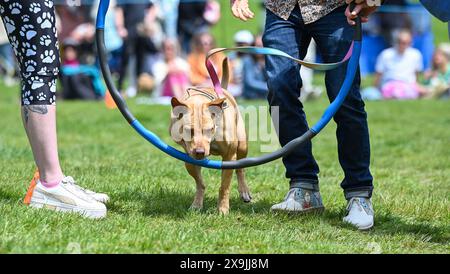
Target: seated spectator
x=437 y=80
x=255 y=78
x=397 y=69
x=171 y=73
x=79 y=81
x=199 y=75
x=243 y=38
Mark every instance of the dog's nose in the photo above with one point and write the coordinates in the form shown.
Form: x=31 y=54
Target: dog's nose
x=199 y=153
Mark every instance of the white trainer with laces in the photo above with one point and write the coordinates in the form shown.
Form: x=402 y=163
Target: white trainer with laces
x=360 y=213
x=67 y=197
x=100 y=197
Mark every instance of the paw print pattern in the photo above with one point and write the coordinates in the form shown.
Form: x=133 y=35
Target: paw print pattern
x=45 y=40
x=35 y=7
x=28 y=49
x=48 y=56
x=30 y=66
x=49 y=3
x=28 y=31
x=36 y=82
x=10 y=25
x=41 y=96
x=15 y=8
x=31 y=28
x=46 y=20
x=25 y=18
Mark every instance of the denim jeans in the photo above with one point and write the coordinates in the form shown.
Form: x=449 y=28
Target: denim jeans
x=333 y=37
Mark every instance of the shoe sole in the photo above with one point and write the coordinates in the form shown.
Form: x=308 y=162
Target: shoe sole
x=365 y=228
x=89 y=213
x=305 y=211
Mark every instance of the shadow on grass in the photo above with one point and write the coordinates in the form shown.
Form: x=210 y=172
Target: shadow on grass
x=388 y=224
x=9 y=197
x=175 y=204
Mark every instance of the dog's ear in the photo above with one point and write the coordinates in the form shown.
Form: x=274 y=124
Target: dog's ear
x=177 y=103
x=217 y=103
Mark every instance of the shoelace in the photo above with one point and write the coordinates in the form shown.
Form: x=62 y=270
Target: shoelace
x=350 y=204
x=70 y=180
x=362 y=206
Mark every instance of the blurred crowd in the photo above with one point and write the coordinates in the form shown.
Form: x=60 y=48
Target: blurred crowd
x=158 y=48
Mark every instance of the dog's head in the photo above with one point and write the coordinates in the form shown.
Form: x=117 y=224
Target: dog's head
x=195 y=124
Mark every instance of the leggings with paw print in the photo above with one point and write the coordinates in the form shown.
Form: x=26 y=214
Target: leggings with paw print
x=31 y=28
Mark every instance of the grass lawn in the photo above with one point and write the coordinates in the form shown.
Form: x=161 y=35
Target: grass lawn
x=151 y=193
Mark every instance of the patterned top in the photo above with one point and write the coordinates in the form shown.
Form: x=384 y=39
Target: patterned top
x=312 y=10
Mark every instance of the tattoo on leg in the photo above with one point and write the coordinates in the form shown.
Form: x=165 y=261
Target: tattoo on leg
x=40 y=109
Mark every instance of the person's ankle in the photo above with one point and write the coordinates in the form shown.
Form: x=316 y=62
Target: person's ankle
x=50 y=184
x=51 y=178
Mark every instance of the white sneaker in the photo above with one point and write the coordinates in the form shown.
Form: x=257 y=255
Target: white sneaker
x=300 y=200
x=67 y=198
x=360 y=213
x=100 y=197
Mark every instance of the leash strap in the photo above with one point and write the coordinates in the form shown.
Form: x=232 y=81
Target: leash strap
x=266 y=51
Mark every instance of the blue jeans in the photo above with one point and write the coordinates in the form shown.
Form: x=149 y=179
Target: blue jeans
x=333 y=37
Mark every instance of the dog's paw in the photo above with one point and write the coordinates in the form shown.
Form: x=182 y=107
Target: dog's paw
x=196 y=207
x=224 y=210
x=246 y=197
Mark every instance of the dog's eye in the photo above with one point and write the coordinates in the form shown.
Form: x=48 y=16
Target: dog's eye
x=180 y=116
x=208 y=131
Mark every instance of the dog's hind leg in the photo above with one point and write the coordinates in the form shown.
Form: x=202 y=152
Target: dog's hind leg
x=196 y=173
x=242 y=151
x=243 y=188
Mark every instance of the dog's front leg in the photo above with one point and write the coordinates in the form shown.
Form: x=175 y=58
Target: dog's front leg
x=196 y=173
x=224 y=192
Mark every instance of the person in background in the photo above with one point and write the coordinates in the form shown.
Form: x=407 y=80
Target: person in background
x=171 y=72
x=115 y=42
x=243 y=38
x=203 y=43
x=255 y=77
x=79 y=80
x=437 y=80
x=7 y=64
x=190 y=22
x=397 y=69
x=388 y=23
x=148 y=49
x=169 y=14
x=128 y=16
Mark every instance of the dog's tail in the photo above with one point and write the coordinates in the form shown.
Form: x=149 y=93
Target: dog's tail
x=225 y=73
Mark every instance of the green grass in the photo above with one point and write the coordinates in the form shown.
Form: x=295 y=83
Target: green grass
x=151 y=193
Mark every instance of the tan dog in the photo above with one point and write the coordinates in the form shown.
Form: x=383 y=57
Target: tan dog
x=205 y=125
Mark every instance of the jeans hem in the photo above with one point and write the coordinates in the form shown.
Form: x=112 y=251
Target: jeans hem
x=361 y=193
x=305 y=184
